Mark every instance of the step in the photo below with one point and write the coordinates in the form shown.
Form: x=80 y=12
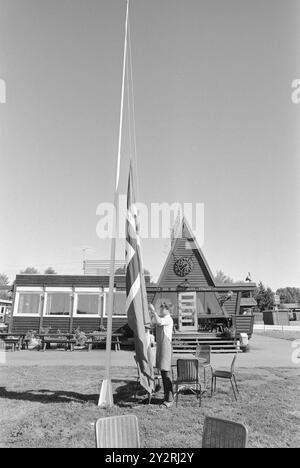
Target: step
x=202 y=342
x=217 y=346
x=228 y=345
x=195 y=345
x=213 y=351
x=198 y=339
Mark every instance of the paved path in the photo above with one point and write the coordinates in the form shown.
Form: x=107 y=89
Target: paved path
x=265 y=352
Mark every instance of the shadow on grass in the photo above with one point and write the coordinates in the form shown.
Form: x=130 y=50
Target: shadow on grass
x=47 y=396
x=131 y=394
x=124 y=395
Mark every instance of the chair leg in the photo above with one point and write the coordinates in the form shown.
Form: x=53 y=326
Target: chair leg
x=150 y=397
x=215 y=384
x=211 y=370
x=212 y=385
x=237 y=389
x=200 y=395
x=233 y=389
x=177 y=395
x=136 y=388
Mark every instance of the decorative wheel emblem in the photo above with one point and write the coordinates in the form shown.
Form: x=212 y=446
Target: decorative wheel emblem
x=183 y=266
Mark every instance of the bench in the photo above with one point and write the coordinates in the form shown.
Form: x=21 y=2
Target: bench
x=67 y=341
x=14 y=341
x=96 y=339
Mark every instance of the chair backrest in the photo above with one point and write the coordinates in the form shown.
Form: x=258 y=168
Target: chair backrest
x=233 y=364
x=204 y=352
x=187 y=370
x=219 y=433
x=118 y=432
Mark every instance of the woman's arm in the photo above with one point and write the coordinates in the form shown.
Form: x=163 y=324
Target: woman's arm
x=154 y=314
x=156 y=318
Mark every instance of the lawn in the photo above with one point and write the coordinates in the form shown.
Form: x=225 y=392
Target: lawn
x=57 y=407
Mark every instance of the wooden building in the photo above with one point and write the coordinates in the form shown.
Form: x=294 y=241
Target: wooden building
x=5 y=309
x=65 y=303
x=186 y=284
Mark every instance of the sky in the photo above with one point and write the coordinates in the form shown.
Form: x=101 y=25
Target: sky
x=215 y=124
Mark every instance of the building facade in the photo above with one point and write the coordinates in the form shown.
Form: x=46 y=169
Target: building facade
x=186 y=284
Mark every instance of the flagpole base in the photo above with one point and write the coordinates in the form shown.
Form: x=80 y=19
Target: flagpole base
x=106 y=395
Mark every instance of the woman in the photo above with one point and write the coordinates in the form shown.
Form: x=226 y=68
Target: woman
x=164 y=331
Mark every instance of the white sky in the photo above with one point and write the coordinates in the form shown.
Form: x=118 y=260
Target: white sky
x=215 y=124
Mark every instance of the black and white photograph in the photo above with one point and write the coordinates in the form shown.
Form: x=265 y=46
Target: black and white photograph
x=150 y=226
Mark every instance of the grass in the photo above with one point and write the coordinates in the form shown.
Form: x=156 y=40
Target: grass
x=57 y=407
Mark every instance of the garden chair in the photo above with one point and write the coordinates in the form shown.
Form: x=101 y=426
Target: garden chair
x=203 y=353
x=227 y=375
x=157 y=378
x=188 y=378
x=219 y=433
x=118 y=432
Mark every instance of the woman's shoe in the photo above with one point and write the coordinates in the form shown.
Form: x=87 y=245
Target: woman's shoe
x=167 y=404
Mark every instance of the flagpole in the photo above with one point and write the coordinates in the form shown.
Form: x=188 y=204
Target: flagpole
x=106 y=394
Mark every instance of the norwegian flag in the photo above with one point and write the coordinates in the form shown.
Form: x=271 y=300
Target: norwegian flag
x=136 y=303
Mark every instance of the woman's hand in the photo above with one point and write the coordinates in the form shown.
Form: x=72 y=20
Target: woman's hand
x=151 y=309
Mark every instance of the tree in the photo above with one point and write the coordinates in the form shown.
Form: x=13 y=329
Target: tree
x=50 y=271
x=122 y=271
x=30 y=271
x=221 y=278
x=264 y=297
x=4 y=281
x=289 y=295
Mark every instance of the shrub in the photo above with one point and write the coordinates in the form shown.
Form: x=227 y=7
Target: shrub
x=80 y=337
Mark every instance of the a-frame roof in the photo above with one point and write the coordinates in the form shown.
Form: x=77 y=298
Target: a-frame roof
x=186 y=245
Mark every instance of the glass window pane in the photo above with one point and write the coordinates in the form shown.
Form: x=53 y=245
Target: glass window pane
x=119 y=304
x=29 y=303
x=88 y=304
x=58 y=304
x=210 y=304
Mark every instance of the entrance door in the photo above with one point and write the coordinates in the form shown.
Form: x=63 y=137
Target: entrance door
x=187 y=312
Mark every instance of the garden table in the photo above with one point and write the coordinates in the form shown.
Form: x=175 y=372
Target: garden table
x=94 y=339
x=65 y=339
x=13 y=339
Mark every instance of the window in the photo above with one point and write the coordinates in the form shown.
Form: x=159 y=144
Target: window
x=246 y=294
x=88 y=304
x=119 y=304
x=58 y=304
x=29 y=304
x=211 y=304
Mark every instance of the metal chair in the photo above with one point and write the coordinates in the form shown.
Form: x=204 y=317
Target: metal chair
x=188 y=378
x=227 y=375
x=219 y=433
x=203 y=353
x=117 y=432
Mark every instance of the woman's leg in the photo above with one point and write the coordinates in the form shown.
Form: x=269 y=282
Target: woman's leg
x=168 y=386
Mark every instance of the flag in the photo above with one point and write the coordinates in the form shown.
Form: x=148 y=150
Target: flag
x=136 y=304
